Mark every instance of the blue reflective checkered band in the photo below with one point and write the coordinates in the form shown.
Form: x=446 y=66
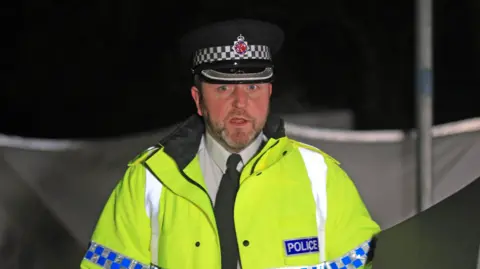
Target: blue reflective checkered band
x=353 y=259
x=107 y=258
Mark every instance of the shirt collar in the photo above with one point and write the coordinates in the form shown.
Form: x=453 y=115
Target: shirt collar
x=220 y=155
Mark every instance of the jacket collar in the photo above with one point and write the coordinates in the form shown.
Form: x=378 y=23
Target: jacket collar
x=183 y=142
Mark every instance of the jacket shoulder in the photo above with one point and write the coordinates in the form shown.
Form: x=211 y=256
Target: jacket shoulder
x=315 y=149
x=140 y=158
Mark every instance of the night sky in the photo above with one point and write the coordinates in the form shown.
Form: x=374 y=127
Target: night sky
x=112 y=68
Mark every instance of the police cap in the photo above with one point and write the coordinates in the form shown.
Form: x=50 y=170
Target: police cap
x=235 y=51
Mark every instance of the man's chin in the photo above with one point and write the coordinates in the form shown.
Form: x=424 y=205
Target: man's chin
x=240 y=141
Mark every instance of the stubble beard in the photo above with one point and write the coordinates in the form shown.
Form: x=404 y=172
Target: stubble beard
x=234 y=141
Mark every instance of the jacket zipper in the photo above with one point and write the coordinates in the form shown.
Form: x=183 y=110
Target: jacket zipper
x=198 y=185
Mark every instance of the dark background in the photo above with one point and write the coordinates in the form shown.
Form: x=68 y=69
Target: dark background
x=110 y=68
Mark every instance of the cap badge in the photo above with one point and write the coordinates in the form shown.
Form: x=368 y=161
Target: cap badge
x=240 y=46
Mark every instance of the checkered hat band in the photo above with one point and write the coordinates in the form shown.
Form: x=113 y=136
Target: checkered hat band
x=225 y=53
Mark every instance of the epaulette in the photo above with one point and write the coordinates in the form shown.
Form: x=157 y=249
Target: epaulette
x=143 y=156
x=312 y=148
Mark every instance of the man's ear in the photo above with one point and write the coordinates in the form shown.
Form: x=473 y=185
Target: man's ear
x=196 y=98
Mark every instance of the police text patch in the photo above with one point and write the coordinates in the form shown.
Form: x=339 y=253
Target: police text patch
x=301 y=246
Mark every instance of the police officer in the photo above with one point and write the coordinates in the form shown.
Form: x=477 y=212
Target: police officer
x=228 y=189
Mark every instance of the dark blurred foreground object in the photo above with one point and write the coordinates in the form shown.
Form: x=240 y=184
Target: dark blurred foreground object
x=31 y=236
x=446 y=235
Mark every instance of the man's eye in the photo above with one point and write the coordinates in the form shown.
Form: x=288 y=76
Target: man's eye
x=252 y=87
x=222 y=88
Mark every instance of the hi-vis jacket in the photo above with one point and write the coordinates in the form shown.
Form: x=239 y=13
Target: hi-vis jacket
x=295 y=208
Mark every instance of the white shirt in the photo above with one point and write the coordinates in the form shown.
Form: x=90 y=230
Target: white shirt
x=213 y=160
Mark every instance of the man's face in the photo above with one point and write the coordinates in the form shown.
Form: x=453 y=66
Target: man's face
x=234 y=113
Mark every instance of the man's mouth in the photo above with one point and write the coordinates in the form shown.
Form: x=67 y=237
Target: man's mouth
x=238 y=121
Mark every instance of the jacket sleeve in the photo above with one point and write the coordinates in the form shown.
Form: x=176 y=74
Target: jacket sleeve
x=122 y=233
x=349 y=227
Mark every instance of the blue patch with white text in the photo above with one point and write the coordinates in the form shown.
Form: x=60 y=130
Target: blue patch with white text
x=301 y=246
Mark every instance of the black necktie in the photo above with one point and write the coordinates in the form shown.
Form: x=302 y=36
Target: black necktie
x=224 y=204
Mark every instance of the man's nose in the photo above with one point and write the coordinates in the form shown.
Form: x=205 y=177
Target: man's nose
x=240 y=96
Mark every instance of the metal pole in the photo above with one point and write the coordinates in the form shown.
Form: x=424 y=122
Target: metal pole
x=424 y=108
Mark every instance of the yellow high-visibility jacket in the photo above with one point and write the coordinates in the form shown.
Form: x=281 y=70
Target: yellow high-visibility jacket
x=295 y=208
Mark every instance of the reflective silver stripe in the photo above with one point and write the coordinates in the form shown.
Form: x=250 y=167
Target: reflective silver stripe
x=352 y=260
x=109 y=259
x=153 y=193
x=317 y=173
